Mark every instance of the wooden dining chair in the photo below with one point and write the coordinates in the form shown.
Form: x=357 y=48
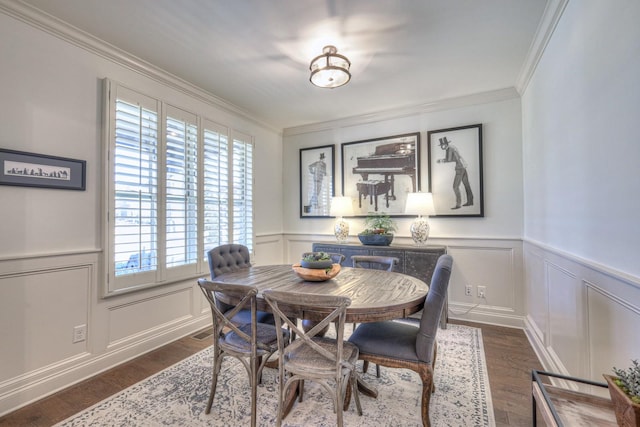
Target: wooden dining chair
x=311 y=356
x=400 y=344
x=226 y=259
x=251 y=343
x=377 y=262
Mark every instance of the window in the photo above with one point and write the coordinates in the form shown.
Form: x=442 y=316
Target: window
x=175 y=188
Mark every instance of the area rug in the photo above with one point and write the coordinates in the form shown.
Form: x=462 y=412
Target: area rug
x=178 y=395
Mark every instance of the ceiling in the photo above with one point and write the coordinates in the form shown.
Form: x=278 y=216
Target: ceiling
x=255 y=54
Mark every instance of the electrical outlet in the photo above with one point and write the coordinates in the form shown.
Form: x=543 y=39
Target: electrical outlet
x=481 y=291
x=79 y=333
x=467 y=290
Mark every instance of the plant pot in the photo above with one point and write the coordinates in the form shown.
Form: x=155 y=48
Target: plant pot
x=376 y=239
x=627 y=411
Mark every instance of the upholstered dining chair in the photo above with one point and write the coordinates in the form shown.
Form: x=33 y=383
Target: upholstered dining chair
x=226 y=259
x=379 y=263
x=252 y=343
x=311 y=356
x=399 y=344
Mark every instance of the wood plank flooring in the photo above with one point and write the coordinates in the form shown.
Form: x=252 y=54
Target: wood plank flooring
x=509 y=357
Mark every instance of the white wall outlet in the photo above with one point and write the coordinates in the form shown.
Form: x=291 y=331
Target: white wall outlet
x=482 y=291
x=79 y=333
x=467 y=291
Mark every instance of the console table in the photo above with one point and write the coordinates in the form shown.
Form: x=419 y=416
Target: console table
x=415 y=261
x=563 y=406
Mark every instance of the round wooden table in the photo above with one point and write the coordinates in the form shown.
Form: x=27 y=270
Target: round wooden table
x=375 y=294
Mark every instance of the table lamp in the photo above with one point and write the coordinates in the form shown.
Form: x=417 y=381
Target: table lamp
x=341 y=206
x=420 y=204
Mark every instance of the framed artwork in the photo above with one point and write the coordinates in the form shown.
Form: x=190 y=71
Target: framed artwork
x=39 y=170
x=455 y=171
x=379 y=173
x=317 y=184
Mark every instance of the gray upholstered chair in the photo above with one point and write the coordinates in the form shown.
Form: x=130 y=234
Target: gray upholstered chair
x=228 y=258
x=401 y=344
x=379 y=263
x=311 y=356
x=375 y=262
x=252 y=343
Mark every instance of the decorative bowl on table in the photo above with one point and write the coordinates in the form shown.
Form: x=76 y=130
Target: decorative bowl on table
x=316 y=274
x=316 y=260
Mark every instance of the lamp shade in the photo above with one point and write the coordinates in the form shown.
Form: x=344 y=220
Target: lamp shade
x=341 y=206
x=419 y=204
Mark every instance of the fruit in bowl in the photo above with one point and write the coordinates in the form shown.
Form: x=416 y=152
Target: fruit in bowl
x=316 y=260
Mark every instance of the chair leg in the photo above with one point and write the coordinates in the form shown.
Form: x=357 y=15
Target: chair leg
x=427 y=384
x=254 y=388
x=378 y=371
x=365 y=366
x=217 y=363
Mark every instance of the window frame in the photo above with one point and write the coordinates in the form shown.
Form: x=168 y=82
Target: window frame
x=162 y=275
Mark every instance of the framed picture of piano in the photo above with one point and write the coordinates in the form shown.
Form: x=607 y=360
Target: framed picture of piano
x=455 y=171
x=379 y=173
x=316 y=180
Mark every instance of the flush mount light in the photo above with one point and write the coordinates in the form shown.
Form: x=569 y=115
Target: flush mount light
x=330 y=69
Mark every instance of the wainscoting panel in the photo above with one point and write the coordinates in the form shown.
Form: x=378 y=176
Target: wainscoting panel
x=142 y=316
x=268 y=249
x=565 y=332
x=37 y=330
x=614 y=330
x=592 y=313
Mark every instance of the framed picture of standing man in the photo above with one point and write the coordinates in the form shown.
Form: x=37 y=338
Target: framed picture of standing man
x=316 y=181
x=455 y=171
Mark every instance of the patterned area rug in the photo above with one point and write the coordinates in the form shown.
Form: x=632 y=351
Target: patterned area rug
x=178 y=395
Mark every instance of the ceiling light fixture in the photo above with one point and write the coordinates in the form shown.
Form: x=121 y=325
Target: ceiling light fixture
x=330 y=69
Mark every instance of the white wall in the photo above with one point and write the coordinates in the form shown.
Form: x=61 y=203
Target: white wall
x=581 y=173
x=50 y=240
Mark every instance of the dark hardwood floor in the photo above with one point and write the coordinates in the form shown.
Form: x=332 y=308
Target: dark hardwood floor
x=509 y=357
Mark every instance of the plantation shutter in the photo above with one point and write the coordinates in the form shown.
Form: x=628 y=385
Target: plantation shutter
x=242 y=190
x=181 y=188
x=135 y=185
x=216 y=186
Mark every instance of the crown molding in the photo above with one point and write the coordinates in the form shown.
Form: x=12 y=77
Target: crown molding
x=398 y=113
x=550 y=17
x=64 y=31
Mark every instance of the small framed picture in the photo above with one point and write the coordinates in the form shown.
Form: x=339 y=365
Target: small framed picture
x=316 y=181
x=39 y=170
x=455 y=171
x=379 y=173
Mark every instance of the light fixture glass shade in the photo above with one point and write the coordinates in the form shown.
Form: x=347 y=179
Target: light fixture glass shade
x=341 y=206
x=419 y=204
x=330 y=69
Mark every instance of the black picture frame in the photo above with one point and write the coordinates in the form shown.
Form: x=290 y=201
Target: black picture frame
x=379 y=173
x=24 y=169
x=455 y=171
x=317 y=181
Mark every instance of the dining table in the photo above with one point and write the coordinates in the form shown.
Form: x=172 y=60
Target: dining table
x=375 y=294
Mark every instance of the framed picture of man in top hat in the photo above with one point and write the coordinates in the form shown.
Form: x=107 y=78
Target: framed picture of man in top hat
x=455 y=171
x=316 y=181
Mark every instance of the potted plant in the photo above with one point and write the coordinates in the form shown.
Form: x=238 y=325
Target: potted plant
x=625 y=394
x=378 y=230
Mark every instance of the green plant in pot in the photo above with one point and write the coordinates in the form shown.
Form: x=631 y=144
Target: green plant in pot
x=625 y=394
x=378 y=230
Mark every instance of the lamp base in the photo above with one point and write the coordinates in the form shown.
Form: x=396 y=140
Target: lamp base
x=420 y=231
x=341 y=230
